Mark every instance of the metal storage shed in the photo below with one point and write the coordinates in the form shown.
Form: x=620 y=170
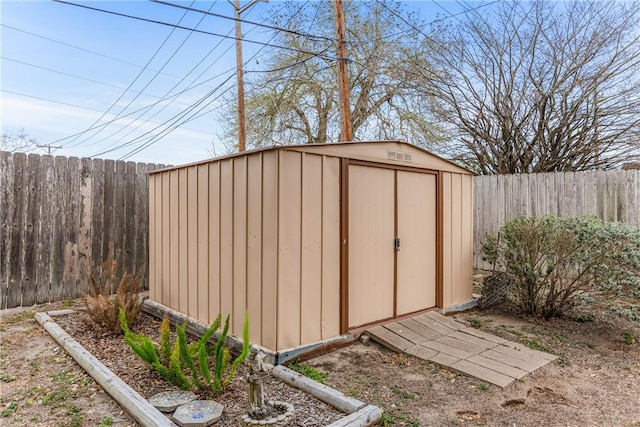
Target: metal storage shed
x=313 y=240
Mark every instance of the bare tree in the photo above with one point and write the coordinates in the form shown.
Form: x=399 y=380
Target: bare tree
x=542 y=86
x=296 y=99
x=17 y=141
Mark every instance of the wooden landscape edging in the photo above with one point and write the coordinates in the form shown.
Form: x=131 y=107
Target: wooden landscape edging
x=136 y=405
x=358 y=413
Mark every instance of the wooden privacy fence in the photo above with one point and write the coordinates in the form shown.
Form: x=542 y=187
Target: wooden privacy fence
x=57 y=217
x=610 y=195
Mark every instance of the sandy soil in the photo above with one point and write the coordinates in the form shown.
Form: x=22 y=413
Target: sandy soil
x=595 y=381
x=40 y=385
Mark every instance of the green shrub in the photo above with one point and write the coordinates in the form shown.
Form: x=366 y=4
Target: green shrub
x=171 y=360
x=550 y=261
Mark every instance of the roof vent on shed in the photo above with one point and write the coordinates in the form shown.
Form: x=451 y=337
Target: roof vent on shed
x=398 y=155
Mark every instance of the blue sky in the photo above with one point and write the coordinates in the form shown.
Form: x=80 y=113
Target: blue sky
x=63 y=67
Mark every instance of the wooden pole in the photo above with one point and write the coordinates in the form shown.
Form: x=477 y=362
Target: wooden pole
x=343 y=76
x=242 y=138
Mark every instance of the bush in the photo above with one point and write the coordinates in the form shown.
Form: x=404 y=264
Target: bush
x=172 y=360
x=550 y=261
x=108 y=295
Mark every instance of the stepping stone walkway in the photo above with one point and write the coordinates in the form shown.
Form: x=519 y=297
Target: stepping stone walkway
x=199 y=413
x=442 y=340
x=169 y=401
x=188 y=410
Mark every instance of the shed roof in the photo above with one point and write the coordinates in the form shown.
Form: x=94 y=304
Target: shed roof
x=388 y=152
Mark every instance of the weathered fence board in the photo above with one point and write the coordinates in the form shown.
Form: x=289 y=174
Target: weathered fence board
x=57 y=217
x=610 y=195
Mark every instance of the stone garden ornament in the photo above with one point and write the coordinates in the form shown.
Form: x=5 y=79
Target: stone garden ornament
x=261 y=411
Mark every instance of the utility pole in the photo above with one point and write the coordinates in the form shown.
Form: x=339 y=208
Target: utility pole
x=343 y=76
x=49 y=147
x=242 y=135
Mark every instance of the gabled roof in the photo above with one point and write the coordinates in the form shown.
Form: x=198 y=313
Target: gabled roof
x=388 y=152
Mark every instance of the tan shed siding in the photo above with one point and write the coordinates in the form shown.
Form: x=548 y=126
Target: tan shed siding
x=311 y=249
x=254 y=245
x=152 y=238
x=192 y=242
x=226 y=238
x=165 y=265
x=213 y=189
x=182 y=248
x=465 y=288
x=458 y=238
x=202 y=238
x=173 y=250
x=447 y=260
x=289 y=257
x=239 y=243
x=269 y=271
x=330 y=322
x=308 y=293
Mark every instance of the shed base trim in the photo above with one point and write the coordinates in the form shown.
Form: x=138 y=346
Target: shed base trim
x=234 y=343
x=463 y=306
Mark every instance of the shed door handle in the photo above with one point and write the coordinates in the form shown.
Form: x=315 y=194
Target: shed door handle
x=396 y=244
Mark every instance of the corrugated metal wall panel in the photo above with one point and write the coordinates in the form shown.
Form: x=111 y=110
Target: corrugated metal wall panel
x=154 y=234
x=192 y=242
x=254 y=246
x=289 y=251
x=202 y=239
x=239 y=243
x=226 y=238
x=457 y=238
x=213 y=283
x=172 y=249
x=330 y=322
x=311 y=249
x=270 y=194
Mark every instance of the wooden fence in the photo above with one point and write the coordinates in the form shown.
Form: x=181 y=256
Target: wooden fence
x=57 y=217
x=611 y=195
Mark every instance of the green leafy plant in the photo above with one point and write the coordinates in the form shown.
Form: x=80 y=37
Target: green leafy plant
x=309 y=371
x=629 y=337
x=108 y=295
x=172 y=360
x=549 y=262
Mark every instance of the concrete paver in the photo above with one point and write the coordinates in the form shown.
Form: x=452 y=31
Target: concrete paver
x=442 y=340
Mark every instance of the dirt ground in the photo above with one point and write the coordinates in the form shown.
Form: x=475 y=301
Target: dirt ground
x=595 y=381
x=40 y=385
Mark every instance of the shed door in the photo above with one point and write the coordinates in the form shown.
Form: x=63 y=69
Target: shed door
x=416 y=258
x=385 y=204
x=371 y=233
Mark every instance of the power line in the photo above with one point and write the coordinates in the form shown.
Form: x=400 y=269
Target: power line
x=81 y=48
x=189 y=86
x=73 y=75
x=168 y=129
x=151 y=81
x=50 y=100
x=154 y=21
x=155 y=138
x=129 y=87
x=382 y=3
x=244 y=21
x=71 y=105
